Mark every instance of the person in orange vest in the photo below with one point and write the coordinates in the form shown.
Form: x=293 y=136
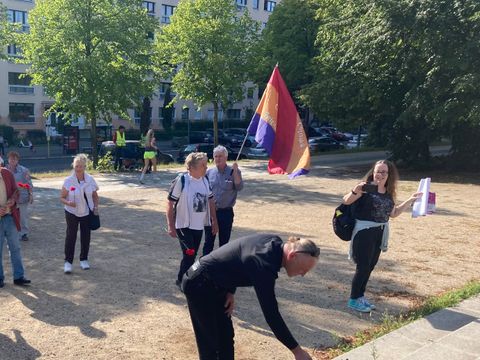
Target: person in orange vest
x=120 y=144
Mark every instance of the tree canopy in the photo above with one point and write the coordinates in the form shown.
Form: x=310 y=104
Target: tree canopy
x=208 y=51
x=6 y=31
x=408 y=69
x=92 y=56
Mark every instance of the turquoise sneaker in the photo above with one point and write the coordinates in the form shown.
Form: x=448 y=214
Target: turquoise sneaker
x=358 y=305
x=366 y=302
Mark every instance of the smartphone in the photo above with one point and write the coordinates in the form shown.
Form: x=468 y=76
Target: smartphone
x=370 y=188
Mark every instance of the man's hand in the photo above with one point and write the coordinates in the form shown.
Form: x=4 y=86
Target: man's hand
x=229 y=304
x=301 y=354
x=235 y=166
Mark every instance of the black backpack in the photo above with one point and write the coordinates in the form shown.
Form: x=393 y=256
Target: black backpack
x=344 y=221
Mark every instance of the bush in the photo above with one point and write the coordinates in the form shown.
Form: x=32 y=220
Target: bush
x=37 y=136
x=105 y=163
x=7 y=132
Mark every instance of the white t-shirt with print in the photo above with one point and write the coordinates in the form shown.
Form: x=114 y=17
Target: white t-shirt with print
x=198 y=195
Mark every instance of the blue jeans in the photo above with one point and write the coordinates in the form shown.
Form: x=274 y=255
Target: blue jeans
x=9 y=231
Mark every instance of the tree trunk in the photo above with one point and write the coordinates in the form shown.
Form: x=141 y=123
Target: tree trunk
x=93 y=134
x=215 y=123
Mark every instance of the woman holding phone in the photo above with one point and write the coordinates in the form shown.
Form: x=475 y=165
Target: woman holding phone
x=374 y=200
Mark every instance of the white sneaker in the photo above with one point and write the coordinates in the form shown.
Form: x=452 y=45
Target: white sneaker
x=67 y=269
x=84 y=265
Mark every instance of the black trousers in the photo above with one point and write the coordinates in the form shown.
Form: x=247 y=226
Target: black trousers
x=71 y=237
x=213 y=328
x=225 y=223
x=366 y=251
x=119 y=150
x=189 y=243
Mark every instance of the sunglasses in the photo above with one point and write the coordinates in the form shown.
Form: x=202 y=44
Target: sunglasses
x=314 y=253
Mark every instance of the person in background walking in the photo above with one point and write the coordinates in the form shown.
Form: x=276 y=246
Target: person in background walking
x=9 y=227
x=370 y=234
x=79 y=195
x=225 y=182
x=190 y=208
x=25 y=188
x=120 y=144
x=150 y=154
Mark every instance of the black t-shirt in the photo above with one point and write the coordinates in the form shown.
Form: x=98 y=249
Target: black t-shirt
x=252 y=261
x=375 y=207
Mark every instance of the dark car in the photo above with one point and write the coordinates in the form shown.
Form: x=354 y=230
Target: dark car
x=241 y=133
x=208 y=149
x=324 y=143
x=197 y=137
x=231 y=140
x=133 y=154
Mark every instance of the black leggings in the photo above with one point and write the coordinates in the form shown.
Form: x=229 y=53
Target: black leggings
x=189 y=242
x=366 y=251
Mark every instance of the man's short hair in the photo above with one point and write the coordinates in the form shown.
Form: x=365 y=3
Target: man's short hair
x=304 y=246
x=220 y=148
x=121 y=127
x=194 y=158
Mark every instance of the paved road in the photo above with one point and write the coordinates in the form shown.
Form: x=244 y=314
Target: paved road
x=43 y=160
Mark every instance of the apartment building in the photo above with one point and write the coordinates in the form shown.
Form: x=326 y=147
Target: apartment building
x=22 y=105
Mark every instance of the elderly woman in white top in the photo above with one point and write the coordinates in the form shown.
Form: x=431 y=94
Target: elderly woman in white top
x=79 y=195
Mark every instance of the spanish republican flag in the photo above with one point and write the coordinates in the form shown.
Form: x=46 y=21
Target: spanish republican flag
x=277 y=127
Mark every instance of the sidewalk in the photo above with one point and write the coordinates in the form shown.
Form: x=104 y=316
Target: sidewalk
x=448 y=334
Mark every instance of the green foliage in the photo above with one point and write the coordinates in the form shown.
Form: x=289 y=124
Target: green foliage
x=289 y=40
x=104 y=165
x=7 y=31
x=208 y=50
x=167 y=110
x=93 y=57
x=406 y=69
x=145 y=115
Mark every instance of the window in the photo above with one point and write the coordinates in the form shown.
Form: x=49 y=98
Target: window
x=241 y=3
x=14 y=50
x=137 y=114
x=233 y=114
x=18 y=84
x=21 y=112
x=163 y=89
x=220 y=115
x=250 y=92
x=185 y=113
x=167 y=11
x=161 y=112
x=150 y=6
x=269 y=5
x=255 y=4
x=17 y=16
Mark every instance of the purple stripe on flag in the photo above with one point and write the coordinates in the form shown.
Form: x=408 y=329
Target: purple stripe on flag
x=298 y=173
x=265 y=136
x=252 y=128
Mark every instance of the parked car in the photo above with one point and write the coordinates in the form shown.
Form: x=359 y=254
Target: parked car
x=324 y=143
x=197 y=137
x=257 y=152
x=133 y=154
x=208 y=149
x=240 y=132
x=353 y=144
x=223 y=138
x=333 y=132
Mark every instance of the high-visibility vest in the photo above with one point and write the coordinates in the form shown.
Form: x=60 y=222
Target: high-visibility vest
x=121 y=139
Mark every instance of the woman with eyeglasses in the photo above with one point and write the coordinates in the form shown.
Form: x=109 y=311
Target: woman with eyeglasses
x=374 y=201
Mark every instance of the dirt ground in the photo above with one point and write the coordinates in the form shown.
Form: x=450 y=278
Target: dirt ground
x=127 y=306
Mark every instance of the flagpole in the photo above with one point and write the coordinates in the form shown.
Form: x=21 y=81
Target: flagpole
x=241 y=147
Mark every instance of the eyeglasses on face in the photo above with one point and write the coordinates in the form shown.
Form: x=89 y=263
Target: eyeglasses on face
x=314 y=253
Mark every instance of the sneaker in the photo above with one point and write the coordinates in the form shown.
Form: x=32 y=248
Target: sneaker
x=84 y=265
x=24 y=237
x=67 y=268
x=367 y=303
x=357 y=304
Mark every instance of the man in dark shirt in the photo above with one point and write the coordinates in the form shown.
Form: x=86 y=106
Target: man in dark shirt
x=255 y=261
